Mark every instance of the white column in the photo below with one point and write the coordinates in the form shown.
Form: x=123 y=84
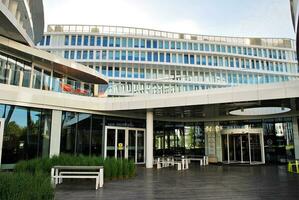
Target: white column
x=55 y=133
x=296 y=137
x=149 y=138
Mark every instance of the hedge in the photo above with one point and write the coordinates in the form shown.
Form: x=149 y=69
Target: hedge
x=113 y=168
x=24 y=186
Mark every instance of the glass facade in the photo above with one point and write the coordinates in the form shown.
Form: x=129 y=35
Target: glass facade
x=237 y=61
x=26 y=133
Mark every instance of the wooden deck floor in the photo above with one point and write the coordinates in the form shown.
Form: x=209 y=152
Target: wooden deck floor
x=210 y=182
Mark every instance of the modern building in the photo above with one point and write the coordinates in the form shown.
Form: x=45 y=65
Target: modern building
x=158 y=93
x=145 y=61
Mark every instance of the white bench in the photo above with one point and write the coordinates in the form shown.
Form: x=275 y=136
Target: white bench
x=58 y=173
x=203 y=161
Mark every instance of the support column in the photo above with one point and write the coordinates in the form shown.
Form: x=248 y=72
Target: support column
x=149 y=138
x=55 y=132
x=296 y=137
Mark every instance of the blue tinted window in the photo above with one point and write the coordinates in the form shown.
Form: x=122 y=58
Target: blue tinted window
x=73 y=41
x=161 y=46
x=212 y=47
x=180 y=58
x=117 y=55
x=78 y=55
x=116 y=72
x=161 y=57
x=173 y=58
x=99 y=41
x=259 y=53
x=201 y=47
x=130 y=42
x=184 y=45
x=104 y=70
x=136 y=55
x=155 y=44
x=110 y=55
x=220 y=61
x=186 y=59
x=210 y=60
x=123 y=55
x=190 y=46
x=234 y=50
x=130 y=55
x=178 y=45
x=257 y=64
x=172 y=44
x=229 y=49
x=244 y=50
x=254 y=52
x=92 y=40
x=110 y=71
x=215 y=61
x=42 y=42
x=136 y=43
x=235 y=78
x=231 y=60
x=66 y=54
x=192 y=59
x=123 y=72
x=250 y=51
x=155 y=57
x=226 y=62
x=66 y=40
x=239 y=50
x=124 y=42
x=104 y=55
x=218 y=48
x=91 y=55
x=142 y=56
x=98 y=55
x=168 y=57
x=247 y=64
x=129 y=72
x=111 y=41
x=135 y=72
x=229 y=78
x=79 y=40
x=142 y=43
x=237 y=63
x=85 y=55
x=117 y=42
x=198 y=59
x=148 y=44
x=270 y=53
x=105 y=41
x=207 y=47
x=195 y=47
x=166 y=44
x=48 y=39
x=149 y=56
x=85 y=42
x=274 y=54
x=72 y=56
x=223 y=50
x=204 y=61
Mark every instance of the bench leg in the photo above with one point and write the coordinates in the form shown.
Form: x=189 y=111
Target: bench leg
x=97 y=183
x=179 y=167
x=52 y=177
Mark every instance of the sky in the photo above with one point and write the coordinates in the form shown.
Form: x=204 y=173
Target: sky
x=245 y=18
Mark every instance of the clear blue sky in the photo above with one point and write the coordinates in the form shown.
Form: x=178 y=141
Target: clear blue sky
x=249 y=18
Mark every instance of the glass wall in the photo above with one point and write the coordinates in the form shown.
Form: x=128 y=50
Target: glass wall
x=26 y=133
x=178 y=139
x=81 y=133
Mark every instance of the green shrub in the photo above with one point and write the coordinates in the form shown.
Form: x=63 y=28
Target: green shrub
x=113 y=168
x=16 y=186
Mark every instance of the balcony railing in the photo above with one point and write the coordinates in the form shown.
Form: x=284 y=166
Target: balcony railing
x=45 y=82
x=131 y=31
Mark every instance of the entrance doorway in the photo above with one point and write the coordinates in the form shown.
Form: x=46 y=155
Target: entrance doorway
x=131 y=141
x=244 y=148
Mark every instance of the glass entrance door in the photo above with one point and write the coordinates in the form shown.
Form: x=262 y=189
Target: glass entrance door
x=132 y=141
x=242 y=148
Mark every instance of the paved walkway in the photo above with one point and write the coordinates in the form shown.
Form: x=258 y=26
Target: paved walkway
x=210 y=182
